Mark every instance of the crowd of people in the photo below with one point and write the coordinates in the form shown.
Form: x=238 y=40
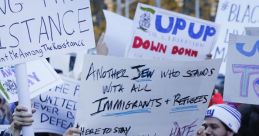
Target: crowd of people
x=221 y=119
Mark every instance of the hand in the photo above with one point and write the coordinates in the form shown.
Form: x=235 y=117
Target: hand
x=21 y=117
x=72 y=131
x=200 y=131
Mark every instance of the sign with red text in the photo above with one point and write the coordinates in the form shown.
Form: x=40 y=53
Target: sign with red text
x=144 y=97
x=56 y=108
x=242 y=73
x=164 y=34
x=233 y=16
x=41 y=28
x=41 y=76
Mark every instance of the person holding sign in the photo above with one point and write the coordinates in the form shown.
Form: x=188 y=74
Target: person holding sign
x=220 y=120
x=21 y=117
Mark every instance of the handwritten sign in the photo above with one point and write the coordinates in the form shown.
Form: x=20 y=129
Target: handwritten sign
x=40 y=28
x=163 y=34
x=242 y=73
x=56 y=108
x=234 y=16
x=41 y=77
x=144 y=97
x=252 y=31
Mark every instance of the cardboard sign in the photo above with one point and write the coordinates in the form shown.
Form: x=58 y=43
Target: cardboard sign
x=117 y=37
x=242 y=73
x=56 y=108
x=233 y=16
x=163 y=34
x=144 y=97
x=41 y=76
x=40 y=28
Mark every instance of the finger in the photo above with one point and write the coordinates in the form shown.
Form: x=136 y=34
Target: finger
x=201 y=130
x=72 y=131
x=20 y=108
x=22 y=114
x=25 y=120
x=33 y=110
x=75 y=131
x=18 y=124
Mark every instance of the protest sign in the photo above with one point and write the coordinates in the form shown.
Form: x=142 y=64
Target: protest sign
x=163 y=34
x=56 y=108
x=242 y=70
x=252 y=31
x=61 y=63
x=144 y=97
x=41 y=76
x=233 y=16
x=39 y=28
x=118 y=33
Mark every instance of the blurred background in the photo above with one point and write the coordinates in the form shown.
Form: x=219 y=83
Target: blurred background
x=205 y=9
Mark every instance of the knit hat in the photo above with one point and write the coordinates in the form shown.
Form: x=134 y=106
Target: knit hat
x=227 y=114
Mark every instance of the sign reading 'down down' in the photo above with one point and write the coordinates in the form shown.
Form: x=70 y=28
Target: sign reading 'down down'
x=163 y=34
x=56 y=108
x=242 y=73
x=41 y=76
x=144 y=97
x=234 y=16
x=31 y=29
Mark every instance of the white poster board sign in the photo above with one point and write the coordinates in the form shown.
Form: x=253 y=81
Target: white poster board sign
x=233 y=16
x=118 y=33
x=164 y=34
x=56 y=108
x=144 y=97
x=32 y=29
x=252 y=31
x=41 y=76
x=242 y=73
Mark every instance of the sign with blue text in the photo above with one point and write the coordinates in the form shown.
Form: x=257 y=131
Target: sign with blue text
x=41 y=76
x=242 y=70
x=33 y=29
x=233 y=16
x=133 y=97
x=56 y=108
x=164 y=34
